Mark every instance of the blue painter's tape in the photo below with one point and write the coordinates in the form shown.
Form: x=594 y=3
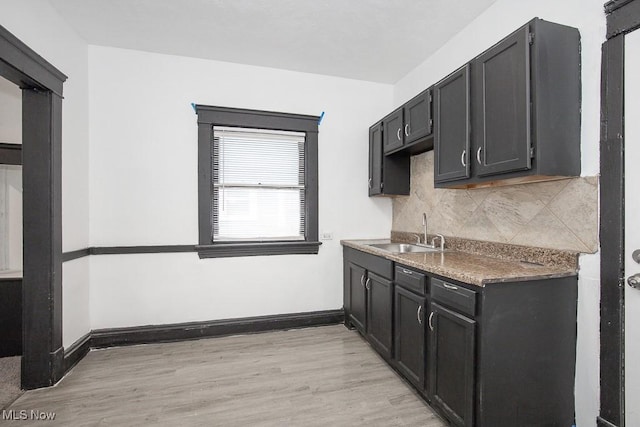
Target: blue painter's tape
x=194 y=107
x=320 y=118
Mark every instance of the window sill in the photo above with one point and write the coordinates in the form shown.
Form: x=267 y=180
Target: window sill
x=222 y=250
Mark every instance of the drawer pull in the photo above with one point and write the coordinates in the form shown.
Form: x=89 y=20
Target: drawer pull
x=418 y=314
x=455 y=288
x=407 y=272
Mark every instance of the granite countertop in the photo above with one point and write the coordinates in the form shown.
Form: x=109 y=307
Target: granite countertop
x=472 y=268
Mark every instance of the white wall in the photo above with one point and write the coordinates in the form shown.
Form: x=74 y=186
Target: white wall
x=37 y=24
x=499 y=20
x=10 y=112
x=10 y=179
x=143 y=163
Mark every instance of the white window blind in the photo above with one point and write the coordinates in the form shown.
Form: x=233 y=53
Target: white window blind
x=258 y=185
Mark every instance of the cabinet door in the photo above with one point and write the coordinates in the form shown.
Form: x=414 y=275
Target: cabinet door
x=375 y=159
x=379 y=309
x=409 y=334
x=358 y=297
x=393 y=134
x=417 y=117
x=452 y=364
x=451 y=127
x=501 y=106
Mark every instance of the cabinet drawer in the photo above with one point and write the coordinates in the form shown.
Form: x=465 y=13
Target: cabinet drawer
x=456 y=297
x=411 y=279
x=377 y=264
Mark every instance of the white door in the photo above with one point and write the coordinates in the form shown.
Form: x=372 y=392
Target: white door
x=632 y=226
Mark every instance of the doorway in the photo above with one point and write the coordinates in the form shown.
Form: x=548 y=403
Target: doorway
x=619 y=231
x=41 y=86
x=10 y=241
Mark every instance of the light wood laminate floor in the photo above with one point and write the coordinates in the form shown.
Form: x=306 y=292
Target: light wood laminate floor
x=324 y=376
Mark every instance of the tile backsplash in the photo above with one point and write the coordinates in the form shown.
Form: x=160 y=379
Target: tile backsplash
x=557 y=214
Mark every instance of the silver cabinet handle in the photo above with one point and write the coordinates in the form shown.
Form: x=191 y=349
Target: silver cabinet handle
x=478 y=155
x=634 y=281
x=398 y=134
x=418 y=314
x=431 y=321
x=362 y=280
x=370 y=181
x=462 y=157
x=450 y=286
x=406 y=129
x=368 y=283
x=407 y=272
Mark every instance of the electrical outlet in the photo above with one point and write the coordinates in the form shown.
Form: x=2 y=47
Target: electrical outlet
x=326 y=235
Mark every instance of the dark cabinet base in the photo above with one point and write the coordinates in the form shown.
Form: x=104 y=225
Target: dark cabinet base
x=10 y=317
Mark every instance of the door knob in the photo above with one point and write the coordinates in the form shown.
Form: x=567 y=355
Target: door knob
x=636 y=256
x=634 y=281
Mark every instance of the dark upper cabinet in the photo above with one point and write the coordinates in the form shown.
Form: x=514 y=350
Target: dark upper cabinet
x=452 y=364
x=375 y=159
x=502 y=101
x=393 y=136
x=451 y=106
x=525 y=111
x=417 y=118
x=410 y=335
x=379 y=313
x=388 y=175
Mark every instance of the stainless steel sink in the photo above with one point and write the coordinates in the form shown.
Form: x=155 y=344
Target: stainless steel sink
x=402 y=248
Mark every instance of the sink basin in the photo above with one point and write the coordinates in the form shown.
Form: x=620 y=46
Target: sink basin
x=402 y=248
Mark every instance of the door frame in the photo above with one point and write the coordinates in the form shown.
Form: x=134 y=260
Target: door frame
x=41 y=84
x=623 y=17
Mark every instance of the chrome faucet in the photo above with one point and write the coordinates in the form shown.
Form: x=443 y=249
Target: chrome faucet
x=433 y=241
x=424 y=224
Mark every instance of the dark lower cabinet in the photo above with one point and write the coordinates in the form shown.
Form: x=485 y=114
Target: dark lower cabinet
x=368 y=298
x=379 y=313
x=358 y=297
x=499 y=355
x=410 y=335
x=452 y=364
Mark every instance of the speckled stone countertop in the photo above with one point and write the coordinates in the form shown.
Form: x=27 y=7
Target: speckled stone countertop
x=476 y=269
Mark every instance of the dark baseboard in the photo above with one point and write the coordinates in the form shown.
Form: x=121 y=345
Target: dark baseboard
x=70 y=256
x=601 y=422
x=195 y=330
x=101 y=338
x=119 y=250
x=77 y=352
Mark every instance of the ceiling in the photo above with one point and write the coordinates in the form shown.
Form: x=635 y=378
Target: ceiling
x=374 y=40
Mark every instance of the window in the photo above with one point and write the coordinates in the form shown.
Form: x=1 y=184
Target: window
x=257 y=185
